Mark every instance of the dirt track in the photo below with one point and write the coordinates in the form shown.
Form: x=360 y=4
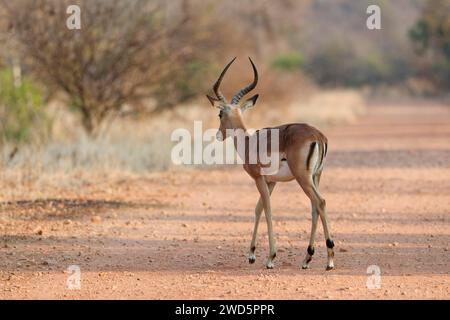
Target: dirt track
x=185 y=234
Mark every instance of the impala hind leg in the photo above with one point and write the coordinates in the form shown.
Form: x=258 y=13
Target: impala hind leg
x=317 y=202
x=310 y=250
x=258 y=211
x=314 y=218
x=265 y=199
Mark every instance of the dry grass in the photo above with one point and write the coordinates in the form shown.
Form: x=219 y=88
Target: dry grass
x=320 y=108
x=139 y=146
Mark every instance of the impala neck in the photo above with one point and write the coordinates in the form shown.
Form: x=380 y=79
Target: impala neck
x=238 y=122
x=240 y=134
x=239 y=127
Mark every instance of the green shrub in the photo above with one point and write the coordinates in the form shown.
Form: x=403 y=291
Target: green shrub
x=333 y=65
x=441 y=72
x=431 y=39
x=340 y=65
x=22 y=111
x=288 y=62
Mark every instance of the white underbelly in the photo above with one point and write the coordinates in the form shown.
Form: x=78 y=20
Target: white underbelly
x=283 y=174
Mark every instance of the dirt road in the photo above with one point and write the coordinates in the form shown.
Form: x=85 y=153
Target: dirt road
x=185 y=234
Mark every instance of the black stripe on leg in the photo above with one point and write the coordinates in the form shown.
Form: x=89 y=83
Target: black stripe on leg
x=310 y=250
x=252 y=249
x=330 y=244
x=310 y=153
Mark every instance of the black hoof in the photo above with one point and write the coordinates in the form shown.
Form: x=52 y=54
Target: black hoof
x=329 y=268
x=251 y=260
x=269 y=267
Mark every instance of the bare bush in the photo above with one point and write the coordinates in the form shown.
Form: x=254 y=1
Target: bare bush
x=117 y=57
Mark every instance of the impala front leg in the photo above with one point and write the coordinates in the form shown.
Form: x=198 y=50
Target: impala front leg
x=265 y=198
x=258 y=211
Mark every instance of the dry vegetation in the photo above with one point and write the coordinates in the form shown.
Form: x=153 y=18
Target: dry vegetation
x=130 y=146
x=88 y=103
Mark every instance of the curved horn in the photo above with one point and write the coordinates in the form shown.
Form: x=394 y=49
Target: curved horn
x=217 y=84
x=247 y=89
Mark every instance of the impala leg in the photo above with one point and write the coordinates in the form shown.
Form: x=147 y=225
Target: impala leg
x=329 y=242
x=310 y=250
x=323 y=217
x=258 y=211
x=314 y=218
x=310 y=190
x=265 y=197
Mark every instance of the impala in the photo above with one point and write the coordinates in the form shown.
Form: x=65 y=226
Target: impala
x=301 y=149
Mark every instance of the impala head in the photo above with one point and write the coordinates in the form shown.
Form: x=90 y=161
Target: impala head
x=230 y=113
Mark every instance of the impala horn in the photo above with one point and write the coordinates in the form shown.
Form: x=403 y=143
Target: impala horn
x=247 y=89
x=216 y=86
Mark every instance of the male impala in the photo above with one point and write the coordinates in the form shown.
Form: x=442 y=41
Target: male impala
x=302 y=151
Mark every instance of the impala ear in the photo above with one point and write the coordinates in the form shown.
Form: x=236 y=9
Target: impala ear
x=249 y=103
x=212 y=100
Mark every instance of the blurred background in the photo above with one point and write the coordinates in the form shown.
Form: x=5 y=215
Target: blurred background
x=107 y=97
x=86 y=177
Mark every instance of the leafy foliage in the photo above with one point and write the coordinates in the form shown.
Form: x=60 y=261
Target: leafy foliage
x=431 y=38
x=21 y=109
x=288 y=62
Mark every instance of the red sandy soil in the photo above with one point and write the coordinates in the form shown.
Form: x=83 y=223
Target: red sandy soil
x=185 y=234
